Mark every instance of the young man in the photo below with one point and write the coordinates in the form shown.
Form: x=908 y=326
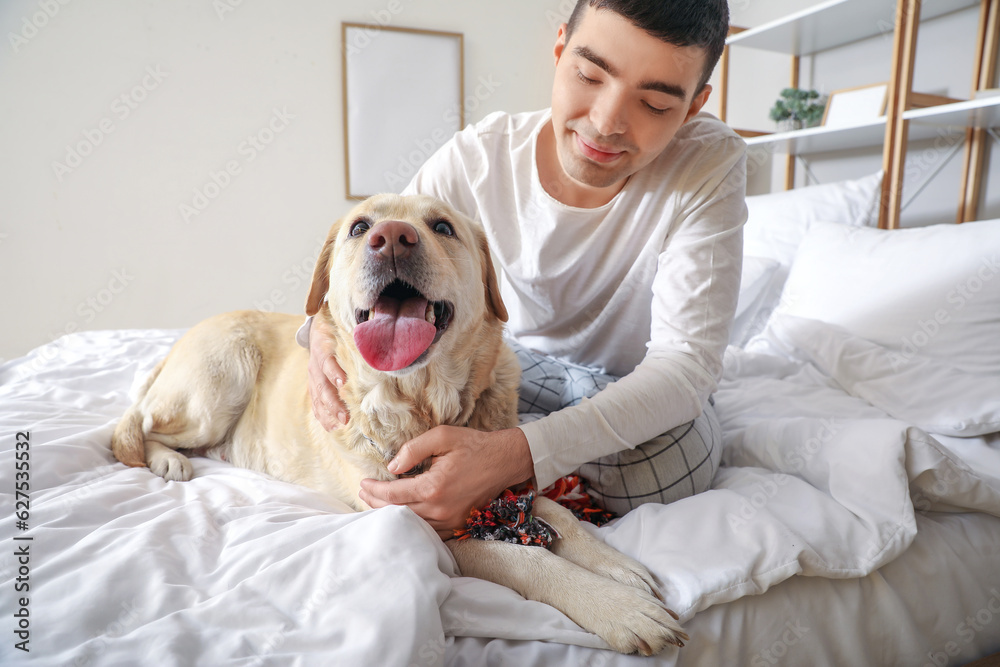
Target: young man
x=615 y=218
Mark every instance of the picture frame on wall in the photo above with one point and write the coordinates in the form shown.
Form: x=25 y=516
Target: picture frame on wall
x=403 y=98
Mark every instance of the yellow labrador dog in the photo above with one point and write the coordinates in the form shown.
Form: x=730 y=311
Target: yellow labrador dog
x=407 y=286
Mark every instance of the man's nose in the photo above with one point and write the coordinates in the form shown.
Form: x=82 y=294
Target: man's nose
x=609 y=113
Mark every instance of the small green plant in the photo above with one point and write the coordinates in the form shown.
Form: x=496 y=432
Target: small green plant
x=800 y=108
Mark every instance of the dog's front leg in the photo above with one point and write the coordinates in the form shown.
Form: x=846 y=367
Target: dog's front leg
x=627 y=618
x=579 y=546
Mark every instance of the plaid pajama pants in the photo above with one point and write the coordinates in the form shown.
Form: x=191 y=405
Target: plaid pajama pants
x=675 y=465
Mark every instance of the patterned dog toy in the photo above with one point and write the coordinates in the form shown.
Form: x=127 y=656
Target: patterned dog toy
x=571 y=492
x=509 y=517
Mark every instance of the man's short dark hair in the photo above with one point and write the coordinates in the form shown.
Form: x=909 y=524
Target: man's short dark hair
x=701 y=23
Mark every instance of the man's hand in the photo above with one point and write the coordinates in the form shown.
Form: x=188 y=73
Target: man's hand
x=325 y=376
x=468 y=469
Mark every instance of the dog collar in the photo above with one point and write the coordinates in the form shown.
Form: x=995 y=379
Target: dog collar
x=385 y=456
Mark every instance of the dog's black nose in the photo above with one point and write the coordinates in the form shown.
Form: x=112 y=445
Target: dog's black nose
x=393 y=239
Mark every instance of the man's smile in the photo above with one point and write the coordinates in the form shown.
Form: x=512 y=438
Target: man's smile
x=596 y=152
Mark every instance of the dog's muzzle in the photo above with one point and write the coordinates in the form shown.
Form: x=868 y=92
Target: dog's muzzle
x=400 y=327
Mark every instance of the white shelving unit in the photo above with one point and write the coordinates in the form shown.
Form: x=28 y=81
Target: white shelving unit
x=839 y=22
x=834 y=23
x=981 y=114
x=822 y=139
x=924 y=124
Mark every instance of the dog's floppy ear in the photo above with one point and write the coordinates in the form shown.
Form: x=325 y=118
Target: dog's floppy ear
x=321 y=274
x=493 y=301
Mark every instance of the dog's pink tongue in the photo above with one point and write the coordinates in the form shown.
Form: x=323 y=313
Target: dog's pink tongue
x=395 y=334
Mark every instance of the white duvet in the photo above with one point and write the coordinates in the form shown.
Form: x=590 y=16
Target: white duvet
x=236 y=568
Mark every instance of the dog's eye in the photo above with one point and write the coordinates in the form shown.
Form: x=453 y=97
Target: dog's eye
x=359 y=227
x=443 y=227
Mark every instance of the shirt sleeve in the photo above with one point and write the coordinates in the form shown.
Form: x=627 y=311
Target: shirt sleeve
x=694 y=298
x=302 y=333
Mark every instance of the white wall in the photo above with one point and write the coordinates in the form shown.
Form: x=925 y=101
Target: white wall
x=103 y=244
x=166 y=93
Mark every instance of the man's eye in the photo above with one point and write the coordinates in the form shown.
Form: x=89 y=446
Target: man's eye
x=585 y=79
x=656 y=110
x=359 y=227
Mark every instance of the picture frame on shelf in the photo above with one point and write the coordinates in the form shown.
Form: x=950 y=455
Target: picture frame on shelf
x=856 y=106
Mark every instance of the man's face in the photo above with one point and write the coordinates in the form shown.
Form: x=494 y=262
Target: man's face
x=619 y=97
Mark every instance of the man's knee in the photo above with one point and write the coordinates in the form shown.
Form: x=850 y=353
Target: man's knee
x=672 y=466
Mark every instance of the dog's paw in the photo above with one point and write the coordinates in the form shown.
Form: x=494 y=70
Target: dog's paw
x=602 y=559
x=171 y=466
x=633 y=621
x=616 y=565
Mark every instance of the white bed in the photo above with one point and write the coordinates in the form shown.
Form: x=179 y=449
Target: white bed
x=856 y=520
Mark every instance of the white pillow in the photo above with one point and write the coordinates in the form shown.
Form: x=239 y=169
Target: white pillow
x=932 y=291
x=777 y=222
x=758 y=295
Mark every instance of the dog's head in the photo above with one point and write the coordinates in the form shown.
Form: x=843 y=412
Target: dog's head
x=407 y=278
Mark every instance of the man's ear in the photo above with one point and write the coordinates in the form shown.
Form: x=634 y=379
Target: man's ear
x=494 y=303
x=698 y=102
x=321 y=274
x=560 y=42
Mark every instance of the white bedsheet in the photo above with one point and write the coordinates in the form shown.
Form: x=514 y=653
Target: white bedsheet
x=236 y=568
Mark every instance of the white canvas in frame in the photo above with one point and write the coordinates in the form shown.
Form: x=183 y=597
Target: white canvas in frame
x=856 y=106
x=402 y=100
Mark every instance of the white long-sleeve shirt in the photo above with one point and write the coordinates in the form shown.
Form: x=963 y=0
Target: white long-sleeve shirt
x=644 y=287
